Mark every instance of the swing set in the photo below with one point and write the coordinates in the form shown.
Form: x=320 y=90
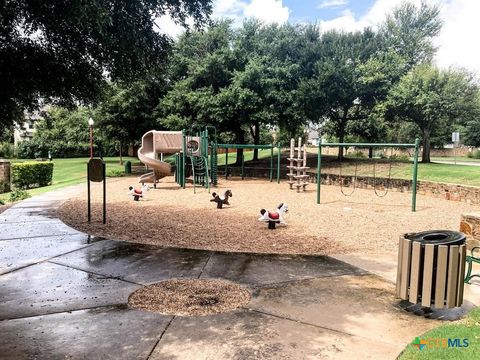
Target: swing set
x=377 y=191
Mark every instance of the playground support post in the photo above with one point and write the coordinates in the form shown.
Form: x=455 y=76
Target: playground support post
x=271 y=162
x=415 y=175
x=184 y=150
x=319 y=179
x=278 y=163
x=226 y=163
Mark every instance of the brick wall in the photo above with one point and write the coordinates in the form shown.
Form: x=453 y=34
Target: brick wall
x=4 y=176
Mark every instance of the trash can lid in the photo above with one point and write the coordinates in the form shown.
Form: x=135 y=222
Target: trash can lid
x=438 y=237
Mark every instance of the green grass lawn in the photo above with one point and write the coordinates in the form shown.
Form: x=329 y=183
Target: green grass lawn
x=248 y=155
x=468 y=328
x=452 y=159
x=71 y=171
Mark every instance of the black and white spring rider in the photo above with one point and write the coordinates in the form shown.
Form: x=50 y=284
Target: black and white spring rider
x=274 y=217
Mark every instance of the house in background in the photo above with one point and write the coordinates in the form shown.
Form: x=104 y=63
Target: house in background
x=24 y=131
x=313 y=137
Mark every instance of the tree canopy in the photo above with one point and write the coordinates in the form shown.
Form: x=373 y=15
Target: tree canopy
x=374 y=85
x=431 y=98
x=61 y=50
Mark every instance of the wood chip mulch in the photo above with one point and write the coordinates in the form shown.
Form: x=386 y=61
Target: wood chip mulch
x=190 y=297
x=175 y=217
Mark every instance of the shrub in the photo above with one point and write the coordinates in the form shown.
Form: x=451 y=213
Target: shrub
x=358 y=154
x=400 y=157
x=6 y=150
x=475 y=154
x=115 y=173
x=31 y=174
x=2 y=202
x=18 y=194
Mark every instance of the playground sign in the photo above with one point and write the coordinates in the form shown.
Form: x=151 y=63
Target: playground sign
x=96 y=173
x=455 y=137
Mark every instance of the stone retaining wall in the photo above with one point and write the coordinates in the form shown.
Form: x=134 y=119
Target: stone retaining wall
x=4 y=176
x=470 y=226
x=468 y=194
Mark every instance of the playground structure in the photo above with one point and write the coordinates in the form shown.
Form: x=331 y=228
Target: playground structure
x=195 y=156
x=416 y=146
x=299 y=165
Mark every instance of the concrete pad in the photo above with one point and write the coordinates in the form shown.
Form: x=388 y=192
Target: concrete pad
x=139 y=263
x=106 y=333
x=28 y=215
x=21 y=252
x=31 y=229
x=261 y=269
x=252 y=335
x=38 y=203
x=47 y=288
x=359 y=305
x=383 y=264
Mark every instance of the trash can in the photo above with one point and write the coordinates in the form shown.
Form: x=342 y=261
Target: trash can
x=128 y=167
x=431 y=268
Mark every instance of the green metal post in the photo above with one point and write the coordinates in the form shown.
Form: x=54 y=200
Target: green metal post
x=278 y=163
x=243 y=164
x=271 y=162
x=176 y=168
x=415 y=175
x=319 y=172
x=226 y=163
x=184 y=150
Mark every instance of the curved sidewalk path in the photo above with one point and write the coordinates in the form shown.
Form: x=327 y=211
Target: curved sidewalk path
x=63 y=294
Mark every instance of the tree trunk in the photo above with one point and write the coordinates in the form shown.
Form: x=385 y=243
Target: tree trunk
x=240 y=140
x=341 y=132
x=370 y=152
x=121 y=159
x=256 y=140
x=426 y=146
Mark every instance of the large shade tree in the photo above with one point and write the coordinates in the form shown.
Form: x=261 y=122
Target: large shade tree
x=432 y=99
x=409 y=31
x=61 y=50
x=336 y=93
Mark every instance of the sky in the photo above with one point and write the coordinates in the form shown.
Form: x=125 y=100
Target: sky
x=457 y=43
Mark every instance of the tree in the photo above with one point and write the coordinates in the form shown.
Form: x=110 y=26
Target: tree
x=432 y=99
x=63 y=133
x=409 y=32
x=472 y=132
x=238 y=80
x=60 y=50
x=335 y=94
x=126 y=113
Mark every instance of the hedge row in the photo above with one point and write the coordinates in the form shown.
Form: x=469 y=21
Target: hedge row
x=35 y=148
x=31 y=174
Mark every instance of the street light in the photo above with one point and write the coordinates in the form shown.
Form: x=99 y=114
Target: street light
x=90 y=124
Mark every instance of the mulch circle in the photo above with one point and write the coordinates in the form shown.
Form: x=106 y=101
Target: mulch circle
x=190 y=297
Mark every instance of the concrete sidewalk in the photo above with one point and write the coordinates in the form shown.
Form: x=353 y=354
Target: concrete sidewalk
x=63 y=294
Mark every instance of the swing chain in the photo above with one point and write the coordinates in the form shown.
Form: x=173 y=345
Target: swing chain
x=389 y=182
x=354 y=180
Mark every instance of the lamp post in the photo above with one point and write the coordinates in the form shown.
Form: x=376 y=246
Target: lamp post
x=90 y=124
